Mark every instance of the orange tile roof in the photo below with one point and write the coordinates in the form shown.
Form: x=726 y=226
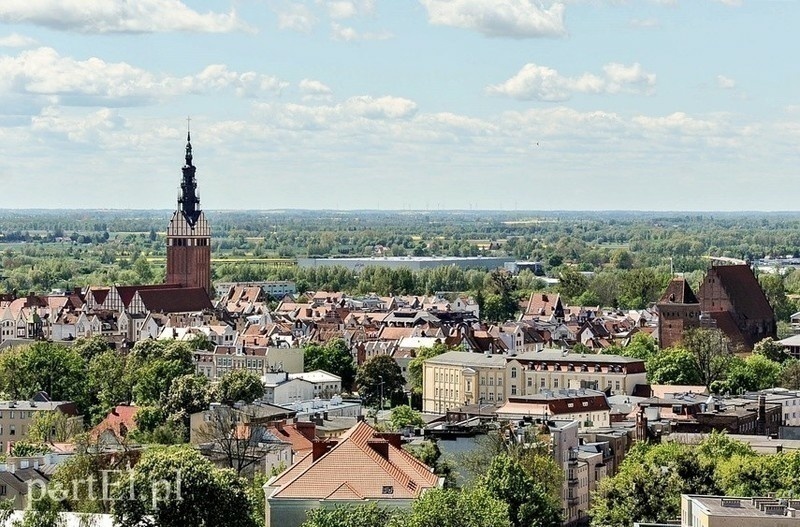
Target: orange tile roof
x=119 y=417
x=354 y=469
x=289 y=434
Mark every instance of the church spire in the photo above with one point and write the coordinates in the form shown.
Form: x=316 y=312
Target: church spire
x=189 y=200
x=188 y=149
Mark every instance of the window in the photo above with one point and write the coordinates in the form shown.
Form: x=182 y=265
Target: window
x=513 y=373
x=499 y=381
x=3 y=490
x=12 y=430
x=555 y=383
x=541 y=384
x=530 y=382
x=387 y=489
x=513 y=389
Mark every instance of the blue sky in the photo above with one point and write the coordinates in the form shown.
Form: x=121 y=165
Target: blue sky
x=492 y=104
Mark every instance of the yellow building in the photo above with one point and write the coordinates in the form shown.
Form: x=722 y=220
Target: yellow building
x=458 y=378
x=455 y=378
x=530 y=373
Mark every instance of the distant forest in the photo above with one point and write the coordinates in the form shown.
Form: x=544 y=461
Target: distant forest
x=629 y=253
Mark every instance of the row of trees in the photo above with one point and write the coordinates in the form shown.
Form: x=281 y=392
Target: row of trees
x=648 y=486
x=706 y=357
x=159 y=376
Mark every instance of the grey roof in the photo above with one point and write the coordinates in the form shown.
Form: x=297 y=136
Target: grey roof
x=561 y=356
x=465 y=358
x=32 y=405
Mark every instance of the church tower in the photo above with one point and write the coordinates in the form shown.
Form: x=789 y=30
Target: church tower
x=188 y=234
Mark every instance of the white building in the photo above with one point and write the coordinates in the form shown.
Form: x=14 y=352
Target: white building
x=280 y=389
x=325 y=384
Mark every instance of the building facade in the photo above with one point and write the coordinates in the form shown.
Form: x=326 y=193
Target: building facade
x=189 y=235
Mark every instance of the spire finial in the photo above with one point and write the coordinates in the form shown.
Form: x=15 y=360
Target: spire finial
x=188 y=142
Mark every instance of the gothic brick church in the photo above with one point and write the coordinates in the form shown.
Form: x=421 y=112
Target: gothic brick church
x=729 y=298
x=189 y=235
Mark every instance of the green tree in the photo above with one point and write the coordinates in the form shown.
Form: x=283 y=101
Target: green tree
x=403 y=416
x=27 y=448
x=90 y=347
x=711 y=352
x=153 y=365
x=790 y=375
x=108 y=383
x=528 y=502
x=362 y=515
x=470 y=507
x=380 y=375
x=622 y=259
x=187 y=394
x=754 y=373
x=571 y=283
x=773 y=287
x=44 y=366
x=673 y=366
x=334 y=357
x=176 y=486
x=239 y=385
x=53 y=427
x=770 y=349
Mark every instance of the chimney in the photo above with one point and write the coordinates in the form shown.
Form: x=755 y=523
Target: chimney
x=381 y=446
x=114 y=411
x=761 y=423
x=396 y=440
x=320 y=448
x=306 y=429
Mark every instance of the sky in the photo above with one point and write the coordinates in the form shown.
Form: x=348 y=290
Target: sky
x=402 y=104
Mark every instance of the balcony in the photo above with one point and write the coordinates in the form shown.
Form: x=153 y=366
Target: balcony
x=572 y=501
x=572 y=481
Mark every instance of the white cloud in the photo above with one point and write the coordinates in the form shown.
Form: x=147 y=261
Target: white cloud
x=360 y=109
x=296 y=17
x=117 y=16
x=343 y=9
x=314 y=87
x=15 y=40
x=80 y=129
x=499 y=18
x=44 y=72
x=726 y=83
x=349 y=34
x=546 y=84
x=678 y=122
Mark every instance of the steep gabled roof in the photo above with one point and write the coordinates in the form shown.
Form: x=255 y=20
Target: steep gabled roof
x=127 y=292
x=744 y=291
x=679 y=292
x=355 y=468
x=180 y=300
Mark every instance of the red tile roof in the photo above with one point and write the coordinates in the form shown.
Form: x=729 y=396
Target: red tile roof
x=355 y=468
x=744 y=291
x=119 y=421
x=679 y=292
x=171 y=300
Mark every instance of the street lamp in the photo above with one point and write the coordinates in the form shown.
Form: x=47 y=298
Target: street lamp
x=381 y=378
